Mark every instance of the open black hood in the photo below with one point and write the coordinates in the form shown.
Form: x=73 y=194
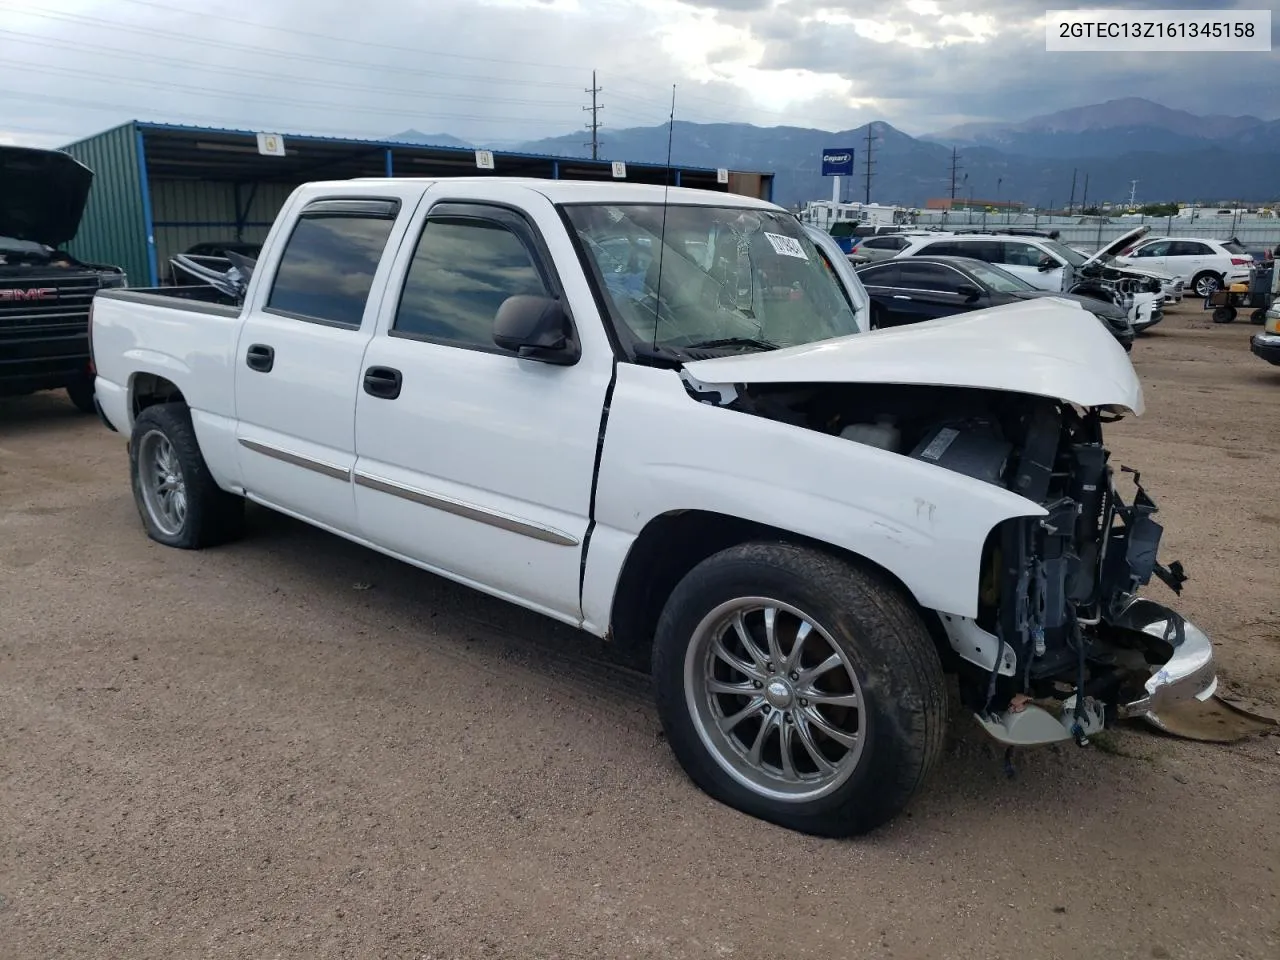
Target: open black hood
x=42 y=195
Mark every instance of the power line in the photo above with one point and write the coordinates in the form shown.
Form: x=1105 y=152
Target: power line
x=153 y=59
x=135 y=111
x=274 y=54
x=295 y=101
x=594 y=125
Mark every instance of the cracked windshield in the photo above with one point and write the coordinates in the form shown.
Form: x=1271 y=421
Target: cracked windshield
x=713 y=278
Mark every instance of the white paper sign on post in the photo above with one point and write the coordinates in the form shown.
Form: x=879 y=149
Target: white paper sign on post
x=484 y=159
x=271 y=144
x=722 y=175
x=619 y=170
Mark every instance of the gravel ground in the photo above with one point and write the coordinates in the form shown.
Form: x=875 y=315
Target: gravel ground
x=293 y=747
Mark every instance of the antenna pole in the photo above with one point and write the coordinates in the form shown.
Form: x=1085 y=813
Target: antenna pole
x=1072 y=202
x=870 y=164
x=1084 y=197
x=955 y=168
x=662 y=232
x=594 y=125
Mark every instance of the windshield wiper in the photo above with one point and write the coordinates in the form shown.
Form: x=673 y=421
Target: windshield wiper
x=732 y=342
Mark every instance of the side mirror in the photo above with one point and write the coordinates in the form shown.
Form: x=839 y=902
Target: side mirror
x=536 y=328
x=969 y=292
x=1046 y=264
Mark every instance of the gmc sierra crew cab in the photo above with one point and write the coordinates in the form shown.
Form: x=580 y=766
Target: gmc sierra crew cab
x=658 y=415
x=45 y=293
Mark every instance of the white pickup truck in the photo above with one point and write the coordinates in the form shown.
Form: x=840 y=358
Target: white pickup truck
x=655 y=415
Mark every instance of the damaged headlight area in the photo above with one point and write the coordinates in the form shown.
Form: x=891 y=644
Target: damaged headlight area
x=1062 y=642
x=1059 y=598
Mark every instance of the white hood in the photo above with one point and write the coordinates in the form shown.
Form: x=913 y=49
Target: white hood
x=1122 y=242
x=1046 y=347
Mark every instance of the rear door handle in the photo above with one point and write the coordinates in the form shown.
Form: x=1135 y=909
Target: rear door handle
x=382 y=382
x=260 y=357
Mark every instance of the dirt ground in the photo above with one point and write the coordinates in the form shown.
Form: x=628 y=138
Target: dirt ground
x=293 y=747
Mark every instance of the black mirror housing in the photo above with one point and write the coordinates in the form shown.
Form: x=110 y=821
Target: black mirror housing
x=1047 y=264
x=536 y=328
x=968 y=291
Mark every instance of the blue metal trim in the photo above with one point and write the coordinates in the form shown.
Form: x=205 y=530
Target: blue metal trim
x=391 y=170
x=555 y=169
x=144 y=184
x=212 y=223
x=677 y=178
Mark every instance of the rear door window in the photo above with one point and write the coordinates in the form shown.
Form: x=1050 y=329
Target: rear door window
x=328 y=264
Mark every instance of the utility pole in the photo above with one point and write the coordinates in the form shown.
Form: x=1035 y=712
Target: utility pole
x=1072 y=202
x=870 y=164
x=955 y=168
x=1084 y=199
x=594 y=125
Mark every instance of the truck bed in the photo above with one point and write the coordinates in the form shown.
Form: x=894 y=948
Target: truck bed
x=196 y=298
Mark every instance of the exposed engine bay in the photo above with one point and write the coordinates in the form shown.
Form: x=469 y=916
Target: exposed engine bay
x=1061 y=644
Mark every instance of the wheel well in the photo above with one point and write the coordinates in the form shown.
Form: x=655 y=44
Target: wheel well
x=149 y=389
x=673 y=544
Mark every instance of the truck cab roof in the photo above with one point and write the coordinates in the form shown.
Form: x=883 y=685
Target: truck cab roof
x=564 y=191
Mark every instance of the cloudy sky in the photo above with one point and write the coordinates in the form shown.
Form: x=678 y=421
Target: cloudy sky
x=514 y=70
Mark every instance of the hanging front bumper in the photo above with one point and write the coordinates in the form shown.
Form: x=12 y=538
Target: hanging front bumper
x=1188 y=674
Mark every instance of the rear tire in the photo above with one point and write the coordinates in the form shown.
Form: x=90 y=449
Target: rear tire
x=80 y=394
x=177 y=498
x=875 y=712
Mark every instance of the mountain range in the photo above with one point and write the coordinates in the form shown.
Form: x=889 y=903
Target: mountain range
x=1173 y=154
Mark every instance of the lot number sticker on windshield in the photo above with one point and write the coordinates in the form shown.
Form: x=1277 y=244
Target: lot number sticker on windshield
x=786 y=246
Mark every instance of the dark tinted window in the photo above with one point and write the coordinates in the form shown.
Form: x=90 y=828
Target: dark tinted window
x=1158 y=249
x=885 y=243
x=1188 y=248
x=461 y=273
x=1232 y=247
x=928 y=276
x=328 y=266
x=988 y=250
x=886 y=276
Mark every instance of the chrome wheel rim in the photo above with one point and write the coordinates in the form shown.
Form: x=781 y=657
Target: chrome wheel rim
x=164 y=489
x=774 y=699
x=1206 y=286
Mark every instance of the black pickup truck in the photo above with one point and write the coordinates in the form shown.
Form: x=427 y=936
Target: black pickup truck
x=45 y=293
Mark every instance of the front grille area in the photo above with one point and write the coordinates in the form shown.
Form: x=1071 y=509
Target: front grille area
x=38 y=334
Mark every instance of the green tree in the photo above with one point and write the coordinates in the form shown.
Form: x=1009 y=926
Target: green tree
x=1160 y=209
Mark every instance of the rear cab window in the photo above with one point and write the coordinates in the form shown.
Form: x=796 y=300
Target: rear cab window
x=326 y=270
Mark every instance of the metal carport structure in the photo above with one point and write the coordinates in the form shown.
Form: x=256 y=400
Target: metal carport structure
x=159 y=188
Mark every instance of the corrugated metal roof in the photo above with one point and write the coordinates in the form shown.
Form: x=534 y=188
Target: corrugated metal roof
x=148 y=126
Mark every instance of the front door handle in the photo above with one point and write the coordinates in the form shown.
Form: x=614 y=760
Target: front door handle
x=382 y=382
x=260 y=357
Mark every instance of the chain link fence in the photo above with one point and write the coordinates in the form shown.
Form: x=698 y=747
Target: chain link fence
x=1096 y=232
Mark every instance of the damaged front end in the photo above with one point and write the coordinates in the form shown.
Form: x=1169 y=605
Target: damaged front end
x=1059 y=599
x=1062 y=643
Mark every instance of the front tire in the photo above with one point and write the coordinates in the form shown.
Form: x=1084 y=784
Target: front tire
x=1224 y=315
x=1206 y=284
x=799 y=688
x=180 y=503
